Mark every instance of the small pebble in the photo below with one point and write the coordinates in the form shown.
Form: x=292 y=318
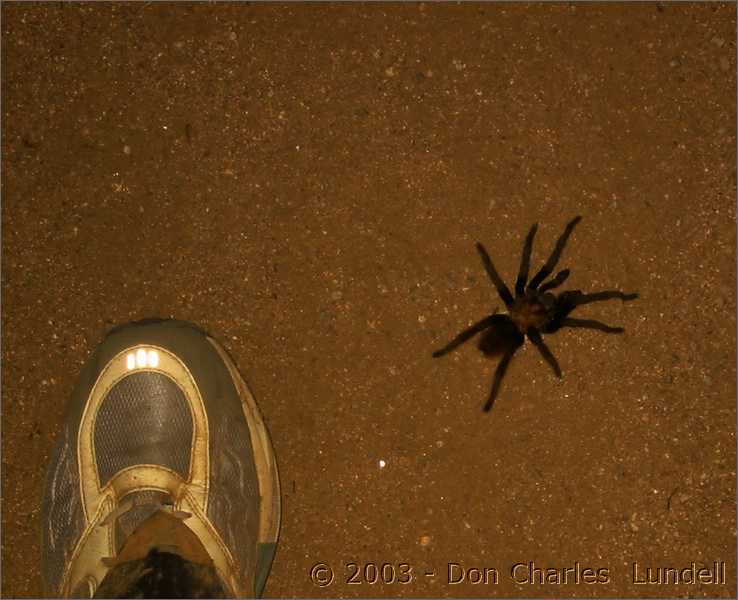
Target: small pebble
x=126 y=149
x=425 y=540
x=632 y=522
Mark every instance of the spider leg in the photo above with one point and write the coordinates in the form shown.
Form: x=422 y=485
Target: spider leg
x=555 y=255
x=525 y=262
x=535 y=336
x=560 y=278
x=502 y=289
x=590 y=324
x=465 y=335
x=499 y=374
x=577 y=298
x=569 y=300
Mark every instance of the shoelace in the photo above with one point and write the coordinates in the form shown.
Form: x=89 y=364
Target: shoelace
x=130 y=504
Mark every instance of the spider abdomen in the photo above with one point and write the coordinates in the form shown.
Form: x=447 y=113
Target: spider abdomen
x=502 y=335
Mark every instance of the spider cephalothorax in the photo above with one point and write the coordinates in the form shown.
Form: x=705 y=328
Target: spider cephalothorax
x=532 y=311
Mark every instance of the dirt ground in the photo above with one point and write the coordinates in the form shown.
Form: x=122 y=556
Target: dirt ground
x=308 y=182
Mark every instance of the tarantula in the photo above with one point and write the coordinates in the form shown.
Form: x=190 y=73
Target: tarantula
x=533 y=311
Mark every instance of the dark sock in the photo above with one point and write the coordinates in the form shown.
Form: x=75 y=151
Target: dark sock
x=161 y=575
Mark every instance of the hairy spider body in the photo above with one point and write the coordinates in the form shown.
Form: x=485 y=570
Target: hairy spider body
x=502 y=335
x=532 y=311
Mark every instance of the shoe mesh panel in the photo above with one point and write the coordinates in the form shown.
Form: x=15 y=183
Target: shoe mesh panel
x=234 y=498
x=62 y=511
x=144 y=419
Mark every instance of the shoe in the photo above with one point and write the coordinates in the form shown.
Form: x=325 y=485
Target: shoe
x=160 y=421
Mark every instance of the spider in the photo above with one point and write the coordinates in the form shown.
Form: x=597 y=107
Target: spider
x=533 y=311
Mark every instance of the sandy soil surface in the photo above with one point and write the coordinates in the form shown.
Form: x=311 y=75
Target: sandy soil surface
x=308 y=182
